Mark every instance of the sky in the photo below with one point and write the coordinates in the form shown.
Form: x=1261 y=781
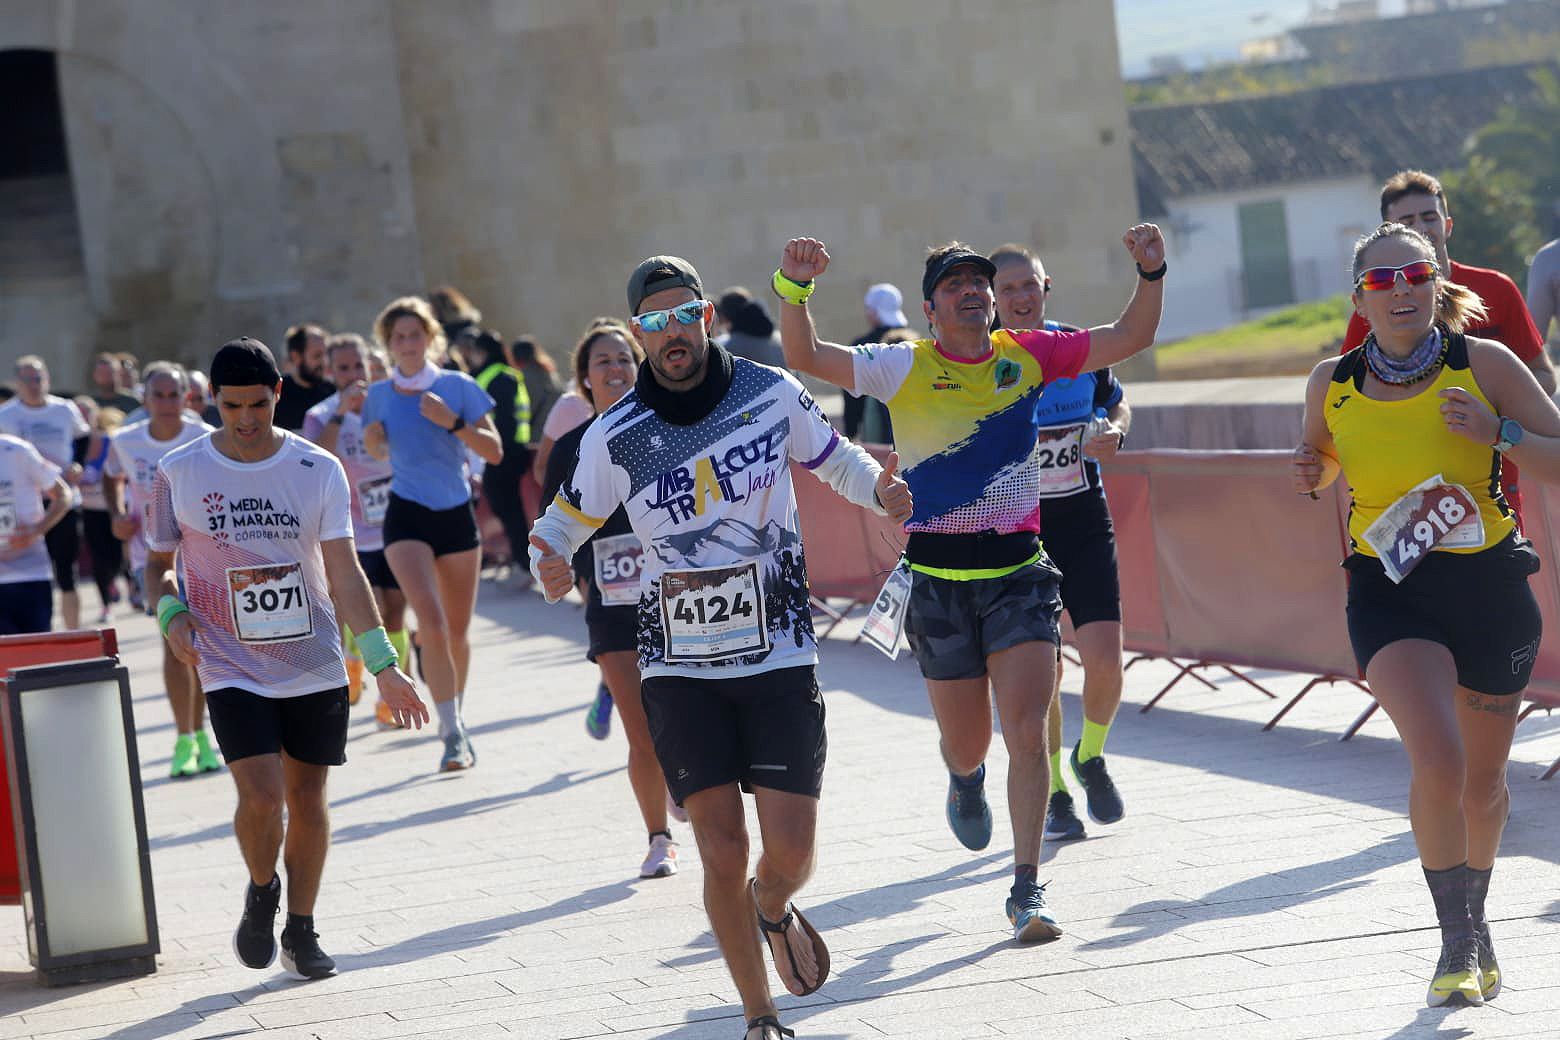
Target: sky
x=1199 y=30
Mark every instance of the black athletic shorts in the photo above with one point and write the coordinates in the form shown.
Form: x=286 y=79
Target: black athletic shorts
x=1477 y=605
x=764 y=730
x=26 y=607
x=311 y=727
x=1081 y=540
x=377 y=569
x=611 y=628
x=444 y=531
x=64 y=544
x=953 y=626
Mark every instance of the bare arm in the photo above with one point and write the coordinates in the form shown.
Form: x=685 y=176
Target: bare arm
x=482 y=438
x=1314 y=464
x=1134 y=330
x=375 y=442
x=1516 y=394
x=1543 y=370
x=804 y=260
x=355 y=606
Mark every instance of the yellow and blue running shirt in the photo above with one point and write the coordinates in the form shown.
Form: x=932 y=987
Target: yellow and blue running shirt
x=966 y=429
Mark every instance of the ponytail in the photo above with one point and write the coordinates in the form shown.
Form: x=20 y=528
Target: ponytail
x=1457 y=306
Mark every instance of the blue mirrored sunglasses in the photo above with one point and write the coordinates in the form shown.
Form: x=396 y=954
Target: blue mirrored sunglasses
x=687 y=314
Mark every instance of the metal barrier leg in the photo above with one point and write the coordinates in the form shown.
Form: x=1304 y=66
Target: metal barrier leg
x=1186 y=669
x=1249 y=681
x=1307 y=688
x=1073 y=659
x=834 y=616
x=1354 y=727
x=1553 y=769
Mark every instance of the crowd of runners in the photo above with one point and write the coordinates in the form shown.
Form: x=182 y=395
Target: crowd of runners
x=287 y=522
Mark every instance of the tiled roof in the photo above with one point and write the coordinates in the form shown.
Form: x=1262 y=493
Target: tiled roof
x=1319 y=134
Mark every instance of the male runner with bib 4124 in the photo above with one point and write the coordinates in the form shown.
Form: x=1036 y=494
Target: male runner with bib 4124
x=262 y=520
x=699 y=454
x=983 y=608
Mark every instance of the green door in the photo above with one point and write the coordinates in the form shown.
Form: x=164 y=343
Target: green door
x=1265 y=275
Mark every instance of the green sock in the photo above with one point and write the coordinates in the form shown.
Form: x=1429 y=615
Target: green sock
x=1092 y=745
x=1058 y=781
x=401 y=639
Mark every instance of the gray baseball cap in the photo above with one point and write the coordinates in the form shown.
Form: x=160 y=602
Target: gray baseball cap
x=658 y=273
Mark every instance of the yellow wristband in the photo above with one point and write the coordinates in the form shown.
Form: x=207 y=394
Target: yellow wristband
x=791 y=291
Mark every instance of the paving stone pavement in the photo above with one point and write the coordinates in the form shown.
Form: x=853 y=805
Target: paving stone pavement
x=1262 y=885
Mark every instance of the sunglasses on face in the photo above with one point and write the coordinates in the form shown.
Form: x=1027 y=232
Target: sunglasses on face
x=1380 y=279
x=689 y=313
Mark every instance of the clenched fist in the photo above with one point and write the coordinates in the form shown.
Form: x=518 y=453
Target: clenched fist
x=1146 y=244
x=804 y=259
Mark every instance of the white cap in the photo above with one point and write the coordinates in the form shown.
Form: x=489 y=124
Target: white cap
x=884 y=301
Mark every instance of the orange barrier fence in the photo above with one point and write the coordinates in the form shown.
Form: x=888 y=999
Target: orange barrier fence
x=1222 y=566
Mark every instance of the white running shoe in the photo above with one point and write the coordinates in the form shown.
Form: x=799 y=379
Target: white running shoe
x=661 y=860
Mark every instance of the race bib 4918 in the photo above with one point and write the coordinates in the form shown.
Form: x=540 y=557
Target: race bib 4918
x=1434 y=515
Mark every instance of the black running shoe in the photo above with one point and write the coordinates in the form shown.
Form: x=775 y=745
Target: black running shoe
x=301 y=954
x=969 y=815
x=1489 y=969
x=1103 y=801
x=1061 y=819
x=254 y=942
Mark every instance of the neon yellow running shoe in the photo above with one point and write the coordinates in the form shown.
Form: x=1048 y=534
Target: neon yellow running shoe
x=205 y=755
x=184 y=755
x=1489 y=970
x=1457 y=974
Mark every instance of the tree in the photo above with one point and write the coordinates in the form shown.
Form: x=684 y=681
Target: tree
x=1524 y=141
x=1492 y=209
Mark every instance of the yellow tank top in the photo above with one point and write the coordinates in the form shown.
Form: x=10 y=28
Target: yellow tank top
x=1386 y=448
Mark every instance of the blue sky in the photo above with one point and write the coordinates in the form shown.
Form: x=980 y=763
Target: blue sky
x=1200 y=29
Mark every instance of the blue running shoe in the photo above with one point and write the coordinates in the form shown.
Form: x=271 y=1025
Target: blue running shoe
x=598 y=720
x=1032 y=920
x=969 y=815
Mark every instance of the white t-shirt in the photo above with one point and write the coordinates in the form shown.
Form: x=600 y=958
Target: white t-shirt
x=249 y=537
x=133 y=455
x=369 y=477
x=723 y=582
x=24 y=476
x=567 y=412
x=52 y=428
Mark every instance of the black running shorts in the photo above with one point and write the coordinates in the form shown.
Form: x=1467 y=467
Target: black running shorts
x=764 y=730
x=612 y=629
x=1081 y=540
x=63 y=541
x=26 y=607
x=444 y=531
x=953 y=626
x=311 y=727
x=377 y=569
x=1477 y=605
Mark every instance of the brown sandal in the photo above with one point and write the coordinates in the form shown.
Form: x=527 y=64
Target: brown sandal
x=781 y=927
x=767 y=1022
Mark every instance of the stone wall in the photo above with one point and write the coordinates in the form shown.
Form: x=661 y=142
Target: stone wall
x=554 y=145
x=241 y=166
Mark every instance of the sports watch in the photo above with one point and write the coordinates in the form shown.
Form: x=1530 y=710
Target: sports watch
x=1510 y=435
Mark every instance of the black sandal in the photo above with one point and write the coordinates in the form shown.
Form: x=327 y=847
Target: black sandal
x=780 y=927
x=767 y=1022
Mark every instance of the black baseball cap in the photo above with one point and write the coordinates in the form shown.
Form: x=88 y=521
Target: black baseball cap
x=936 y=271
x=244 y=362
x=661 y=272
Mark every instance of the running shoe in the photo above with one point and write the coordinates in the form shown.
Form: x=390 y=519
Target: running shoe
x=1489 y=971
x=598 y=720
x=1032 y=920
x=1457 y=973
x=384 y=716
x=674 y=810
x=301 y=954
x=1098 y=788
x=969 y=815
x=1061 y=819
x=255 y=940
x=457 y=753
x=185 y=754
x=661 y=860
x=205 y=755
x=102 y=617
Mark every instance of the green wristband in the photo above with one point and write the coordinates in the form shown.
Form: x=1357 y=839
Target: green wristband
x=377 y=652
x=791 y=291
x=168 y=608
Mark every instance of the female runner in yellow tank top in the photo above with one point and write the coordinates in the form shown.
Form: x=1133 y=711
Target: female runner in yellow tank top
x=1440 y=614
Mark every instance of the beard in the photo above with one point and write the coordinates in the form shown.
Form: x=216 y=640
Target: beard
x=697 y=361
